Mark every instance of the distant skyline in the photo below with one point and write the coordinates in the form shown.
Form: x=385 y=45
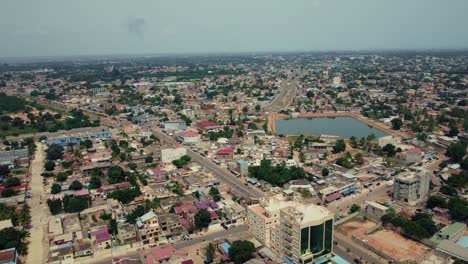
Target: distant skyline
x=45 y=28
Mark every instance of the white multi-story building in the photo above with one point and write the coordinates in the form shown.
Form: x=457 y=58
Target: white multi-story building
x=300 y=232
x=412 y=187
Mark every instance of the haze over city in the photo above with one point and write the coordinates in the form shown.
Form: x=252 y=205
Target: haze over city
x=109 y=27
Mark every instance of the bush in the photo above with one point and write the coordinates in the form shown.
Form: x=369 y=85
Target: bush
x=8 y=193
x=56 y=188
x=49 y=165
x=11 y=182
x=61 y=177
x=75 y=185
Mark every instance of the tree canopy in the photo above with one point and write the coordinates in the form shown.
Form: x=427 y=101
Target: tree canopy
x=54 y=152
x=241 y=251
x=202 y=219
x=277 y=175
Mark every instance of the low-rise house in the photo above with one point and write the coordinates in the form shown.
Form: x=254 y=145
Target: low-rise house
x=188 y=137
x=61 y=254
x=375 y=211
x=235 y=212
x=8 y=256
x=225 y=154
x=101 y=239
x=414 y=155
x=82 y=247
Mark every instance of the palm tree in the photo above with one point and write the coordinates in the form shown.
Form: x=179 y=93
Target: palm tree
x=210 y=250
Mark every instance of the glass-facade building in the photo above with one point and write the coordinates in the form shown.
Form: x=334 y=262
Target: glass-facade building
x=316 y=241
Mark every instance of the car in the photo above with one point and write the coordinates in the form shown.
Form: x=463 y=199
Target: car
x=357 y=261
x=378 y=184
x=232 y=226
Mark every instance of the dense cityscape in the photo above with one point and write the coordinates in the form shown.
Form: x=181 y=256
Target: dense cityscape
x=343 y=157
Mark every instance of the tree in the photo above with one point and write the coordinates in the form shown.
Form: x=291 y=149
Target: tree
x=87 y=143
x=358 y=159
x=456 y=151
x=214 y=192
x=132 y=166
x=56 y=188
x=95 y=182
x=4 y=170
x=8 y=193
x=241 y=251
x=257 y=108
x=12 y=238
x=210 y=250
x=325 y=171
x=149 y=159
x=125 y=196
x=340 y=146
x=61 y=177
x=55 y=206
x=116 y=174
x=11 y=182
x=389 y=149
x=55 y=152
x=49 y=165
x=75 y=185
x=396 y=123
x=310 y=94
x=436 y=201
x=354 y=208
x=75 y=204
x=202 y=219
x=448 y=190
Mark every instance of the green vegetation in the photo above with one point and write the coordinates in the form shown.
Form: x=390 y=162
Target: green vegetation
x=354 y=208
x=9 y=193
x=214 y=192
x=12 y=238
x=396 y=123
x=11 y=104
x=116 y=174
x=340 y=146
x=225 y=133
x=56 y=188
x=420 y=226
x=11 y=182
x=241 y=251
x=137 y=212
x=348 y=161
x=202 y=219
x=75 y=186
x=95 y=182
x=4 y=170
x=456 y=151
x=180 y=163
x=49 y=165
x=125 y=196
x=54 y=152
x=69 y=204
x=277 y=175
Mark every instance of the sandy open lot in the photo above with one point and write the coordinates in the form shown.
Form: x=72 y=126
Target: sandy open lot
x=387 y=241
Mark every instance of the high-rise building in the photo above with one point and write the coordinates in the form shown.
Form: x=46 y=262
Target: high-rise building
x=299 y=232
x=412 y=187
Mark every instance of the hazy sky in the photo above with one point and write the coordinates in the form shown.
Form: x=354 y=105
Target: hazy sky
x=103 y=27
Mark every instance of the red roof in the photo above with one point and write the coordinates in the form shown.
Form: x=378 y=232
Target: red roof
x=158 y=171
x=185 y=208
x=415 y=150
x=206 y=123
x=102 y=235
x=225 y=151
x=188 y=134
x=163 y=252
x=187 y=261
x=332 y=197
x=7 y=255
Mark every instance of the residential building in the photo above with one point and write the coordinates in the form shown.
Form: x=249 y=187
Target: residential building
x=411 y=187
x=148 y=226
x=8 y=256
x=414 y=155
x=243 y=167
x=304 y=233
x=128 y=234
x=375 y=211
x=101 y=239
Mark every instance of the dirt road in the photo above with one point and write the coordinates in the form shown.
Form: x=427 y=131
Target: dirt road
x=37 y=252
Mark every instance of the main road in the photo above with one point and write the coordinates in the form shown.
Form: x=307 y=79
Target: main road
x=221 y=173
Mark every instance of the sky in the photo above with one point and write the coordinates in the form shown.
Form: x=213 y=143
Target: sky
x=132 y=27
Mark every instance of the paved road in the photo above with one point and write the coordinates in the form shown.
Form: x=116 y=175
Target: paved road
x=356 y=251
x=37 y=252
x=345 y=203
x=221 y=173
x=213 y=236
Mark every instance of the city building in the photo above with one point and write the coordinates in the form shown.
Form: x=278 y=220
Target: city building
x=175 y=125
x=414 y=155
x=148 y=226
x=243 y=167
x=411 y=187
x=304 y=233
x=375 y=211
